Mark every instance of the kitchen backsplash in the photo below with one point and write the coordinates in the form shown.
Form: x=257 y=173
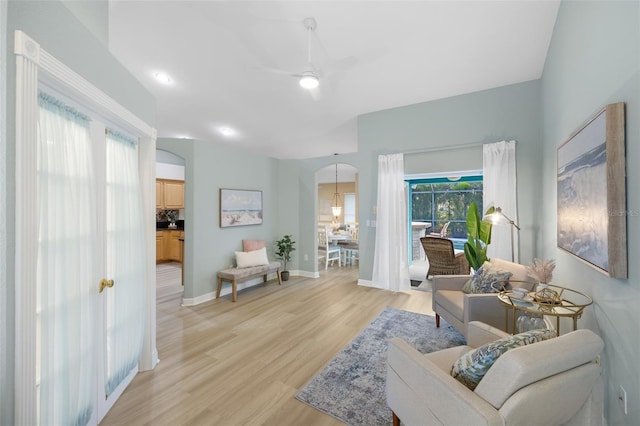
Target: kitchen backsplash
x=163 y=215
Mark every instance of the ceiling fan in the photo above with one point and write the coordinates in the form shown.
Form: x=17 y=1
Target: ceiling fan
x=309 y=78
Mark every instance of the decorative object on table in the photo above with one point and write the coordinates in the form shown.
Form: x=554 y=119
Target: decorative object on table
x=240 y=207
x=542 y=270
x=498 y=216
x=475 y=249
x=591 y=193
x=548 y=296
x=172 y=215
x=351 y=387
x=284 y=248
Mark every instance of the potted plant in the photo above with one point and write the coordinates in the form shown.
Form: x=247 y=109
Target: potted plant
x=284 y=248
x=479 y=232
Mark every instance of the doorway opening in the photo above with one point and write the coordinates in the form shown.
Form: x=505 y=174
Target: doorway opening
x=337 y=218
x=170 y=181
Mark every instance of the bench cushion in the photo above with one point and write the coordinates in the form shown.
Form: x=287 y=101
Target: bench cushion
x=241 y=273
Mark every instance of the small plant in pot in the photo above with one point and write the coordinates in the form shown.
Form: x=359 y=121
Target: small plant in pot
x=284 y=248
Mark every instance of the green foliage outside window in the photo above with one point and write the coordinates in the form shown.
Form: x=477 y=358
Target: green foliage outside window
x=443 y=202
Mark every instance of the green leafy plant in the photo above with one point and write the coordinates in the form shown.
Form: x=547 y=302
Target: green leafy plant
x=479 y=237
x=284 y=248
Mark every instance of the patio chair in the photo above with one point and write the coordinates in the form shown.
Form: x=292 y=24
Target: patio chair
x=442 y=258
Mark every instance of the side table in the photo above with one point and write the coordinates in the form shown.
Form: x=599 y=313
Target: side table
x=569 y=303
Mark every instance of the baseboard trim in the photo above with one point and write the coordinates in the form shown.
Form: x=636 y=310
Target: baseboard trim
x=368 y=283
x=226 y=287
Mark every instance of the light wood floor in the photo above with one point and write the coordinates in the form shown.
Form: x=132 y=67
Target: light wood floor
x=224 y=363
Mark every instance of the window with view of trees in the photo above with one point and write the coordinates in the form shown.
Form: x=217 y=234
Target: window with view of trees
x=440 y=200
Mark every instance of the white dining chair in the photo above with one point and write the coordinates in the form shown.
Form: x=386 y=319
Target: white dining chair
x=328 y=251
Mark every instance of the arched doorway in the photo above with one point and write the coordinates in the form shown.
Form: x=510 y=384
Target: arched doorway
x=337 y=186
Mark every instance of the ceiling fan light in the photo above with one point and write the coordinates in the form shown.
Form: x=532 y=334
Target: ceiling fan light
x=309 y=80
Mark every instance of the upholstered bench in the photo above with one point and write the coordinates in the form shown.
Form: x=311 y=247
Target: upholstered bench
x=236 y=275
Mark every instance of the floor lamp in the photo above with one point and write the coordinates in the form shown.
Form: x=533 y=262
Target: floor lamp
x=499 y=215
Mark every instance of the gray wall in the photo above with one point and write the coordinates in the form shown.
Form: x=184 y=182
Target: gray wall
x=594 y=60
x=511 y=112
x=73 y=42
x=210 y=166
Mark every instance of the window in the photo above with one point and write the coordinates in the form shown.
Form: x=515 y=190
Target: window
x=350 y=208
x=441 y=200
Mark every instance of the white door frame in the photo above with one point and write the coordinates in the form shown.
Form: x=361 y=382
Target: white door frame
x=34 y=64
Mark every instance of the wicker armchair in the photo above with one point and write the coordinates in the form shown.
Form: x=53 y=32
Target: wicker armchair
x=442 y=258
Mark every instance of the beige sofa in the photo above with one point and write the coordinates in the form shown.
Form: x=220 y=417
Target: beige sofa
x=458 y=308
x=553 y=382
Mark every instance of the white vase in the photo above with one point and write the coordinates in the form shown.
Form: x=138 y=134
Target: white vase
x=541 y=286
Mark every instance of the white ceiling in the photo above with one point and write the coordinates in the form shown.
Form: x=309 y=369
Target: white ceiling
x=371 y=55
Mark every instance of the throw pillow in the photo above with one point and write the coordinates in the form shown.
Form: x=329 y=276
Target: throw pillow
x=251 y=245
x=482 y=281
x=471 y=367
x=251 y=258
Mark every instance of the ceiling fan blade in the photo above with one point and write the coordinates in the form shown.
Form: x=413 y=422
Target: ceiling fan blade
x=276 y=71
x=315 y=93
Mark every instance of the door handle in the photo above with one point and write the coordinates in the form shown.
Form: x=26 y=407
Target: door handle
x=104 y=283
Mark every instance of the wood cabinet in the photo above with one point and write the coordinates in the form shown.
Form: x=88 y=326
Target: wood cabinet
x=173 y=246
x=169 y=194
x=159 y=194
x=160 y=246
x=168 y=245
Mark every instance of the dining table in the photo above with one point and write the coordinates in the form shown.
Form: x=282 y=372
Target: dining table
x=338 y=237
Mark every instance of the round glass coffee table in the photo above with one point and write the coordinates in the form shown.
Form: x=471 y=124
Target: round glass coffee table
x=553 y=301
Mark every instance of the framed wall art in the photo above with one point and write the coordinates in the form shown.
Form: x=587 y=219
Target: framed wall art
x=239 y=207
x=592 y=215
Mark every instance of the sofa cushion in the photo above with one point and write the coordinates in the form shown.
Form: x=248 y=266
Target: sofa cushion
x=471 y=367
x=252 y=258
x=484 y=278
x=518 y=271
x=451 y=301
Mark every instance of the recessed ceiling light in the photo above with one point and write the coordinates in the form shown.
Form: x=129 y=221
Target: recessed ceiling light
x=163 y=78
x=226 y=131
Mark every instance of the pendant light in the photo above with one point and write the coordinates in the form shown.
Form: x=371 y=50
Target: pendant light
x=335 y=207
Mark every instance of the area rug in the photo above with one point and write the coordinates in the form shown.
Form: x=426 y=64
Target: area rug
x=351 y=387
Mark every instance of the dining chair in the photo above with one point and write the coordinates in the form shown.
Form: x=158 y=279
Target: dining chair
x=330 y=252
x=351 y=248
x=443 y=231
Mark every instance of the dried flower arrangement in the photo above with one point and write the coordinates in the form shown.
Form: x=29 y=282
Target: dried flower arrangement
x=542 y=270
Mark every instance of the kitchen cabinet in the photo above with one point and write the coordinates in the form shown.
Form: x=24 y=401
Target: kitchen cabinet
x=173 y=245
x=169 y=194
x=168 y=246
x=160 y=246
x=159 y=194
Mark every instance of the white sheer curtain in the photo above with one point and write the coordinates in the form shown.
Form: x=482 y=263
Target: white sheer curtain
x=499 y=183
x=125 y=310
x=66 y=271
x=390 y=262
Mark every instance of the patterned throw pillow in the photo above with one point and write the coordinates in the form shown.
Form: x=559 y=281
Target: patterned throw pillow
x=471 y=367
x=482 y=281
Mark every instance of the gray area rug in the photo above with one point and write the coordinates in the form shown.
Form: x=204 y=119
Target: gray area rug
x=351 y=387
